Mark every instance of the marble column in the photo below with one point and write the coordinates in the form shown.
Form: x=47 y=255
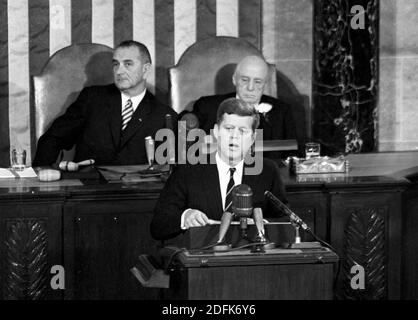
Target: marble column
x=345 y=75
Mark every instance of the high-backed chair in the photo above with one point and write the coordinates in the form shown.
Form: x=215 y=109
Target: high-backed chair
x=64 y=75
x=206 y=68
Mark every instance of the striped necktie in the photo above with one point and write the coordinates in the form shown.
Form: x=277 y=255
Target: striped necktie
x=231 y=184
x=127 y=112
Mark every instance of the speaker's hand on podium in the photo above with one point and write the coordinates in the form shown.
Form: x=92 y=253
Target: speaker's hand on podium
x=194 y=218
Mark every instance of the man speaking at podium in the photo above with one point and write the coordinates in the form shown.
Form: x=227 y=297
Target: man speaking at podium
x=196 y=193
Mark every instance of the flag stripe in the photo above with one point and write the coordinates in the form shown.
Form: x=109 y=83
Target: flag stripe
x=250 y=23
x=227 y=18
x=123 y=21
x=206 y=19
x=60 y=25
x=164 y=45
x=18 y=38
x=4 y=87
x=102 y=22
x=81 y=21
x=38 y=35
x=39 y=54
x=144 y=31
x=269 y=29
x=184 y=26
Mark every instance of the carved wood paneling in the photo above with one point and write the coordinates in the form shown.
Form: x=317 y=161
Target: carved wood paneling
x=364 y=245
x=26 y=272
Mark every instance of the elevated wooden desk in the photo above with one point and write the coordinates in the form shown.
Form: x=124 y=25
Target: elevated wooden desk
x=242 y=275
x=96 y=230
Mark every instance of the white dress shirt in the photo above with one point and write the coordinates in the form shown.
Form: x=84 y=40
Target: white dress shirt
x=224 y=175
x=135 y=100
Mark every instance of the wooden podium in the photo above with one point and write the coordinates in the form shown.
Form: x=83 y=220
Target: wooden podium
x=242 y=275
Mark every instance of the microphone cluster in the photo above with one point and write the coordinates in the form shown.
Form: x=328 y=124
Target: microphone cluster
x=242 y=208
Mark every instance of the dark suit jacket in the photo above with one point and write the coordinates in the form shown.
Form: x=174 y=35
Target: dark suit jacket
x=93 y=123
x=197 y=187
x=279 y=123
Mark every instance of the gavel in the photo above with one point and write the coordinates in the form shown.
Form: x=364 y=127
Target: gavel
x=74 y=166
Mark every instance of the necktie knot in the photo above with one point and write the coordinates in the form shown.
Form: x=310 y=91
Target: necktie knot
x=231 y=172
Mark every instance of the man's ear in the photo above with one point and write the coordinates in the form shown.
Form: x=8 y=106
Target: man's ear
x=146 y=68
x=216 y=130
x=234 y=80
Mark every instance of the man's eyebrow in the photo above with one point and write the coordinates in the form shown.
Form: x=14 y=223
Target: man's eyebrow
x=126 y=60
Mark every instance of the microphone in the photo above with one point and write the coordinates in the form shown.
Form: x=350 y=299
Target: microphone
x=242 y=206
x=150 y=149
x=242 y=201
x=294 y=218
x=223 y=228
x=171 y=150
x=297 y=223
x=261 y=235
x=258 y=220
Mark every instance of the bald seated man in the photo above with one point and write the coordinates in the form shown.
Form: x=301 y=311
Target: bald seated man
x=250 y=78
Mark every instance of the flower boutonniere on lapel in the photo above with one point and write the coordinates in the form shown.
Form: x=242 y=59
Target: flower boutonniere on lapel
x=264 y=108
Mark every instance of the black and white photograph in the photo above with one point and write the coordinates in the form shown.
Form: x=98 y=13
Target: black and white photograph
x=208 y=158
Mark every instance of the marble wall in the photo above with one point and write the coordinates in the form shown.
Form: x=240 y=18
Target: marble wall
x=345 y=75
x=291 y=51
x=398 y=95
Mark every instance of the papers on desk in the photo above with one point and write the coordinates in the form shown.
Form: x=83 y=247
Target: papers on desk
x=13 y=174
x=250 y=221
x=133 y=173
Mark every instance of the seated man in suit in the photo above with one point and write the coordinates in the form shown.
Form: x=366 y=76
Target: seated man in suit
x=196 y=193
x=250 y=78
x=109 y=123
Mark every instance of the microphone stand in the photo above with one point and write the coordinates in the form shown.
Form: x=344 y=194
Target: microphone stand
x=243 y=227
x=296 y=223
x=298 y=244
x=222 y=245
x=262 y=243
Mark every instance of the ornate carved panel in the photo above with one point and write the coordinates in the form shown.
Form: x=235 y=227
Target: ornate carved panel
x=26 y=272
x=365 y=245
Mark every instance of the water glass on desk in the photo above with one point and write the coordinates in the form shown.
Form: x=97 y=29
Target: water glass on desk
x=312 y=150
x=18 y=160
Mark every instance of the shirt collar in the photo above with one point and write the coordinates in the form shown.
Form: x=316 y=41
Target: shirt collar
x=223 y=167
x=136 y=100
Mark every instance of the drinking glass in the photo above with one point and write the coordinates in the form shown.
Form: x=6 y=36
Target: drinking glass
x=312 y=150
x=18 y=160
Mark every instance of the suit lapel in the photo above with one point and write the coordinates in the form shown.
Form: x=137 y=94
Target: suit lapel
x=114 y=115
x=137 y=119
x=210 y=178
x=266 y=125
